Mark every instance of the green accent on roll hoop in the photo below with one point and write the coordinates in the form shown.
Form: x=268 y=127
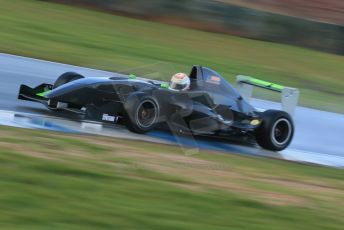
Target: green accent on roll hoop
x=43 y=94
x=164 y=85
x=266 y=84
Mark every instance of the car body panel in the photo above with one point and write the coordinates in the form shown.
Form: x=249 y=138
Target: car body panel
x=211 y=105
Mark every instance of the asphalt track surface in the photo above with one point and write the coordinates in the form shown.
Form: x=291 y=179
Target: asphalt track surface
x=319 y=135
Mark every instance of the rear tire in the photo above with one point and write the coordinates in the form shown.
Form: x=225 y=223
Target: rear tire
x=142 y=113
x=276 y=131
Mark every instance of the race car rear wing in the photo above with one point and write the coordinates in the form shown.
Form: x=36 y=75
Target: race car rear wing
x=289 y=96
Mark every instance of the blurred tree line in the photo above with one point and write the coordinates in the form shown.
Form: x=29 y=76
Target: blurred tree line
x=222 y=17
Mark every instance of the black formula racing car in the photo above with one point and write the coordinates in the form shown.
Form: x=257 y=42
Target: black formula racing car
x=210 y=107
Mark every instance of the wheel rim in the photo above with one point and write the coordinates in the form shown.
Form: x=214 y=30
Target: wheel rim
x=281 y=131
x=146 y=114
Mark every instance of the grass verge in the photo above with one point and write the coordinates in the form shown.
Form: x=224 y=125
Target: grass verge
x=88 y=38
x=51 y=180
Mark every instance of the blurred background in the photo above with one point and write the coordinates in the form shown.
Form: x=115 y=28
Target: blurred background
x=316 y=24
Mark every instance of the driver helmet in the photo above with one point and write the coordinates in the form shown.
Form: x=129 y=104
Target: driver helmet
x=180 y=82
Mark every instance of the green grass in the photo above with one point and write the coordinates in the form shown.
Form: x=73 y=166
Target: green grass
x=95 y=39
x=54 y=181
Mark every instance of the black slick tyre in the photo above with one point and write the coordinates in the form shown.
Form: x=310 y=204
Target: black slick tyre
x=61 y=80
x=142 y=112
x=65 y=78
x=276 y=131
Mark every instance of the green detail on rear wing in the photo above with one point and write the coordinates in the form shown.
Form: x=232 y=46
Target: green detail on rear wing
x=43 y=94
x=262 y=84
x=289 y=96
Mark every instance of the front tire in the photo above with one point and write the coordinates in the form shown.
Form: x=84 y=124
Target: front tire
x=61 y=80
x=65 y=78
x=142 y=113
x=276 y=131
